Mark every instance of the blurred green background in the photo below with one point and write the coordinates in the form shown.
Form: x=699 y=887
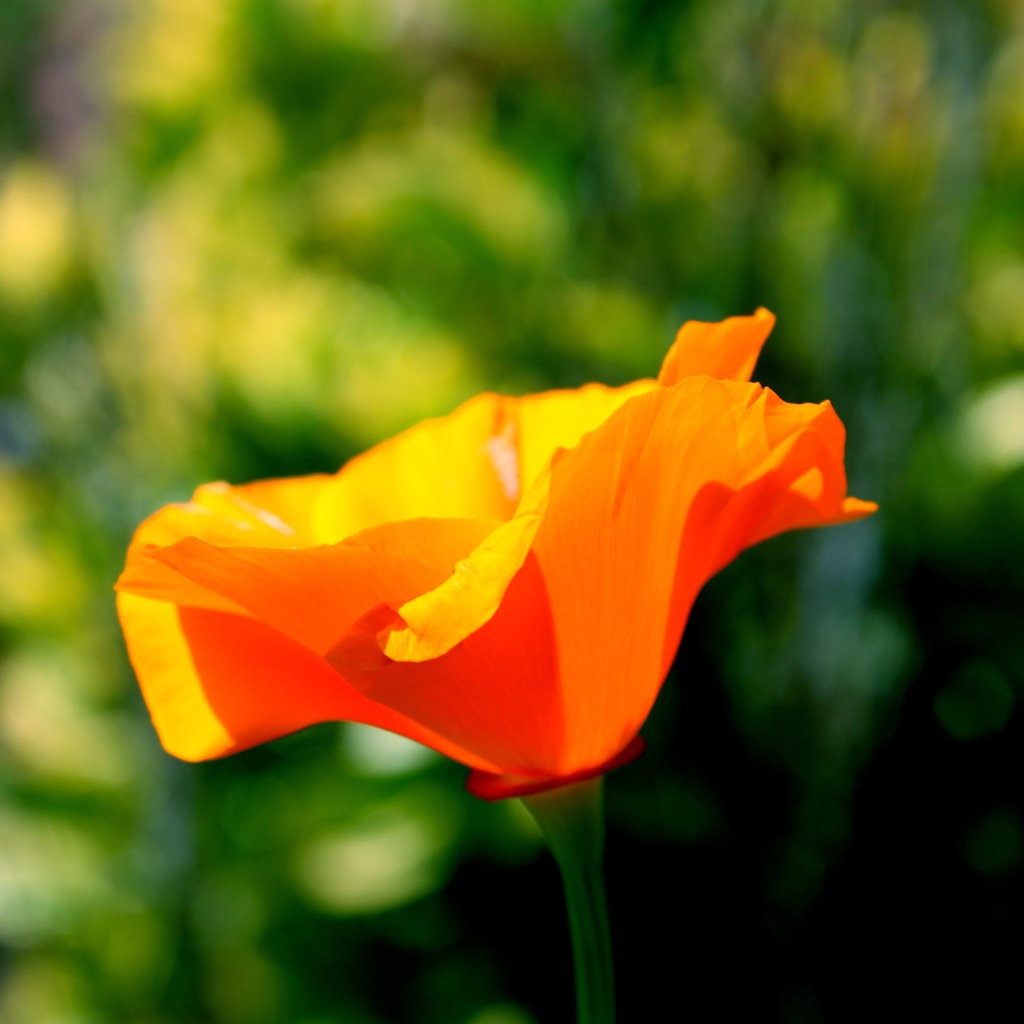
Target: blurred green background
x=243 y=238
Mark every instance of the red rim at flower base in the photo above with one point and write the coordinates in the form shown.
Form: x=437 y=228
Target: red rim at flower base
x=488 y=786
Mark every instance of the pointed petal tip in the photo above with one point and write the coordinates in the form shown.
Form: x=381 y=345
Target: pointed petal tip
x=727 y=349
x=855 y=508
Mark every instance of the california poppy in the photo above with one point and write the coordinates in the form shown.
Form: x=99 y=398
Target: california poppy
x=507 y=584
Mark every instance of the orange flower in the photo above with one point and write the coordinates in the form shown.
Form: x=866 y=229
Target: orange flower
x=507 y=584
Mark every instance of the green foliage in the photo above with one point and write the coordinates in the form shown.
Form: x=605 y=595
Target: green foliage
x=249 y=238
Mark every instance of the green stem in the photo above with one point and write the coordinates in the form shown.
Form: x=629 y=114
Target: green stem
x=572 y=821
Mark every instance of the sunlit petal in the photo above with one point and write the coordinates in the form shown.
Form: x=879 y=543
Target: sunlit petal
x=727 y=350
x=497 y=692
x=217 y=683
x=313 y=594
x=641 y=513
x=441 y=467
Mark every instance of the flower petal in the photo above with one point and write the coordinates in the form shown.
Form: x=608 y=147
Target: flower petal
x=444 y=468
x=434 y=622
x=727 y=350
x=648 y=506
x=539 y=424
x=145 y=576
x=559 y=419
x=217 y=683
x=270 y=513
x=313 y=594
x=496 y=693
x=491 y=786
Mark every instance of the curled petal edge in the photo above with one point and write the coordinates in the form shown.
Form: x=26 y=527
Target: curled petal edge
x=432 y=624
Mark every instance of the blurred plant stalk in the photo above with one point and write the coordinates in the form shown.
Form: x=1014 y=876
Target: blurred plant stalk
x=571 y=819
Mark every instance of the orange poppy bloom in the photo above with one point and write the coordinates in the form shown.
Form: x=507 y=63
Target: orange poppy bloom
x=507 y=584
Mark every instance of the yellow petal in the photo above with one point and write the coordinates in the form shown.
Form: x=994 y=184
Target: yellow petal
x=475 y=463
x=433 y=623
x=559 y=419
x=271 y=513
x=442 y=468
x=537 y=425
